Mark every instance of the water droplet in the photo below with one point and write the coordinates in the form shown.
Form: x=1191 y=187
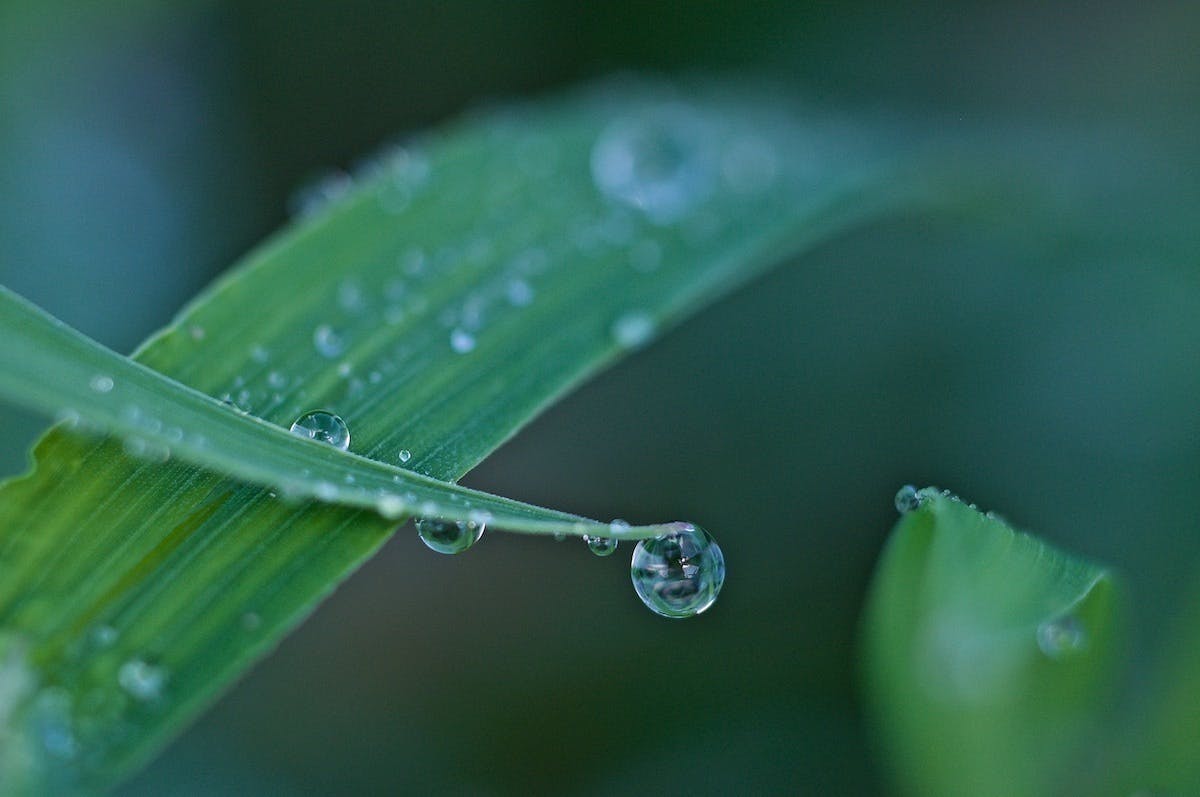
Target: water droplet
x=316 y=195
x=601 y=546
x=660 y=164
x=412 y=262
x=405 y=455
x=101 y=383
x=560 y=536
x=350 y=296
x=50 y=717
x=907 y=499
x=449 y=536
x=519 y=293
x=259 y=354
x=391 y=506
x=251 y=621
x=276 y=380
x=324 y=427
x=633 y=330
x=618 y=526
x=678 y=574
x=196 y=331
x=328 y=341
x=104 y=635
x=142 y=680
x=1061 y=637
x=462 y=341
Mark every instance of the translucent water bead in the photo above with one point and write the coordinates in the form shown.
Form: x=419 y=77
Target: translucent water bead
x=678 y=574
x=324 y=427
x=449 y=536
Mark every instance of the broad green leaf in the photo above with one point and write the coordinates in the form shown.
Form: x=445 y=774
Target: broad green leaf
x=436 y=302
x=986 y=654
x=45 y=364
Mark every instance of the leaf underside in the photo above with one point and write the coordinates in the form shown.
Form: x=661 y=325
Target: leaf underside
x=458 y=287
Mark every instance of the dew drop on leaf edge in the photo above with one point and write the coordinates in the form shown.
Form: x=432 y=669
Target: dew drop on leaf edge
x=324 y=427
x=907 y=499
x=448 y=536
x=1061 y=637
x=142 y=680
x=678 y=574
x=601 y=546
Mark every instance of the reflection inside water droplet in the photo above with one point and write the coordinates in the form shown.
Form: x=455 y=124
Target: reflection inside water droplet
x=678 y=574
x=449 y=536
x=601 y=546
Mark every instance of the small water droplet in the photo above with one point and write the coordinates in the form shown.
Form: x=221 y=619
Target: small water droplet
x=276 y=380
x=412 y=262
x=251 y=621
x=101 y=383
x=405 y=455
x=462 y=341
x=142 y=680
x=618 y=526
x=324 y=427
x=196 y=331
x=50 y=717
x=560 y=536
x=678 y=574
x=601 y=546
x=104 y=635
x=328 y=341
x=391 y=506
x=448 y=536
x=350 y=296
x=908 y=499
x=1061 y=637
x=519 y=293
x=316 y=195
x=633 y=330
x=259 y=353
x=660 y=164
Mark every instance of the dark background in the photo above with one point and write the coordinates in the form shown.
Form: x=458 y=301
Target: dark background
x=1052 y=377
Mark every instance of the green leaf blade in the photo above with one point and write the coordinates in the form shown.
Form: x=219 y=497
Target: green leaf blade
x=986 y=654
x=136 y=591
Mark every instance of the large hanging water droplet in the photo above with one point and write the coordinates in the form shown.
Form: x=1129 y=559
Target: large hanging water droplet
x=1061 y=637
x=907 y=499
x=661 y=164
x=324 y=427
x=678 y=574
x=601 y=546
x=449 y=536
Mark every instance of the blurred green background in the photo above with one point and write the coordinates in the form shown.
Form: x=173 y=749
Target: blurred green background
x=1049 y=373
